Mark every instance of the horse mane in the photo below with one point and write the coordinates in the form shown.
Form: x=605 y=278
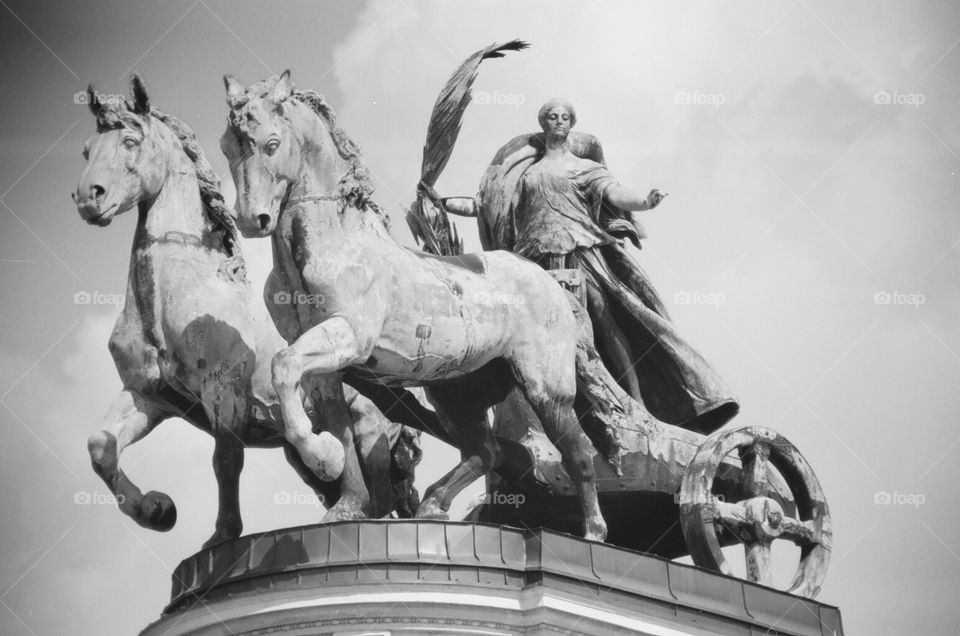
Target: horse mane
x=356 y=186
x=224 y=228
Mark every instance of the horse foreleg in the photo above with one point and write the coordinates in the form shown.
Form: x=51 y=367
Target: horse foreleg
x=323 y=349
x=227 y=465
x=129 y=419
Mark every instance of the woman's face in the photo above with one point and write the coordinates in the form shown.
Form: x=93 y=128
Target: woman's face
x=558 y=122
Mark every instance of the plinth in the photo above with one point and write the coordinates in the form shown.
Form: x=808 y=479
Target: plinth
x=411 y=577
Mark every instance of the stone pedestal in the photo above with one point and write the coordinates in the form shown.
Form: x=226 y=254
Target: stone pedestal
x=453 y=578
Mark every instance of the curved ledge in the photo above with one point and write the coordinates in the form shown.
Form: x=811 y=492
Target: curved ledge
x=357 y=562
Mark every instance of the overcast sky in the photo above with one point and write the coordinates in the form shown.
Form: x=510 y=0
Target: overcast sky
x=810 y=151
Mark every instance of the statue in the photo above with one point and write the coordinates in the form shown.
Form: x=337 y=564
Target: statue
x=193 y=340
x=550 y=198
x=532 y=327
x=394 y=315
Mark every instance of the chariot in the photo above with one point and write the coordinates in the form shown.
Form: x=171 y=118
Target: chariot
x=681 y=493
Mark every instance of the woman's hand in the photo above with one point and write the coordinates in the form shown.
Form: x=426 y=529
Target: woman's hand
x=461 y=206
x=654 y=198
x=627 y=199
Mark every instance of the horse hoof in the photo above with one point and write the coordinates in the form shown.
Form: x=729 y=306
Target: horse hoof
x=431 y=511
x=217 y=539
x=324 y=454
x=343 y=514
x=157 y=511
x=596 y=532
x=219 y=536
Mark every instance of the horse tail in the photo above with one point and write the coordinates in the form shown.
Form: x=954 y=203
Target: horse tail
x=404 y=457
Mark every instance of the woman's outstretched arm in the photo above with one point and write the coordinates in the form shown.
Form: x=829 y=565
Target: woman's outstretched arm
x=627 y=199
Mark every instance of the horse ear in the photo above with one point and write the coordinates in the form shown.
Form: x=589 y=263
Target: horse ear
x=284 y=87
x=141 y=101
x=93 y=102
x=235 y=89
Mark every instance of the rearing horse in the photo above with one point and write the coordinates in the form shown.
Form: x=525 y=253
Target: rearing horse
x=193 y=339
x=466 y=328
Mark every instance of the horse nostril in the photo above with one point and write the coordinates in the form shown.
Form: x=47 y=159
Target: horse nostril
x=263 y=220
x=97 y=192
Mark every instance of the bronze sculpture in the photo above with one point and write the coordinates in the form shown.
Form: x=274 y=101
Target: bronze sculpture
x=477 y=330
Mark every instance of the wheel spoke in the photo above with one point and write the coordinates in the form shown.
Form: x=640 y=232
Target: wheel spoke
x=800 y=532
x=759 y=569
x=754 y=459
x=732 y=516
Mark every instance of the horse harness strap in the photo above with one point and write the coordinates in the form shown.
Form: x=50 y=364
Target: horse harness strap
x=316 y=197
x=181 y=238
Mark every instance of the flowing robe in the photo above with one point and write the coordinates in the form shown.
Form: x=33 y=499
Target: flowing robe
x=555 y=215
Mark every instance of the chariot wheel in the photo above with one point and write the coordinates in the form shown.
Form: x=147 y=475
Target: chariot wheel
x=757 y=519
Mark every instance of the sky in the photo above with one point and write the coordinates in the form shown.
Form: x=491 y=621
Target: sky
x=809 y=247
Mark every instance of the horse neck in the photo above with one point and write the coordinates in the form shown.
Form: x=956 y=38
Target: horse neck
x=173 y=220
x=314 y=196
x=321 y=165
x=176 y=213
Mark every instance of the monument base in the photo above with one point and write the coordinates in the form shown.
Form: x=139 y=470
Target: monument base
x=426 y=577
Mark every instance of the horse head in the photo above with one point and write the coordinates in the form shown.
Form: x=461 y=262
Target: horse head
x=284 y=146
x=127 y=158
x=263 y=149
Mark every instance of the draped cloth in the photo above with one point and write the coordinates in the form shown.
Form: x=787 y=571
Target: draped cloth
x=554 y=215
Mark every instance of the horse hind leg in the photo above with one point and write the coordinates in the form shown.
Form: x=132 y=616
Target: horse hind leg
x=373 y=432
x=129 y=419
x=550 y=387
x=466 y=421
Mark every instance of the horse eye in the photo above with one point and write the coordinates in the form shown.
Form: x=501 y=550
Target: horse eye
x=130 y=143
x=272 y=146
